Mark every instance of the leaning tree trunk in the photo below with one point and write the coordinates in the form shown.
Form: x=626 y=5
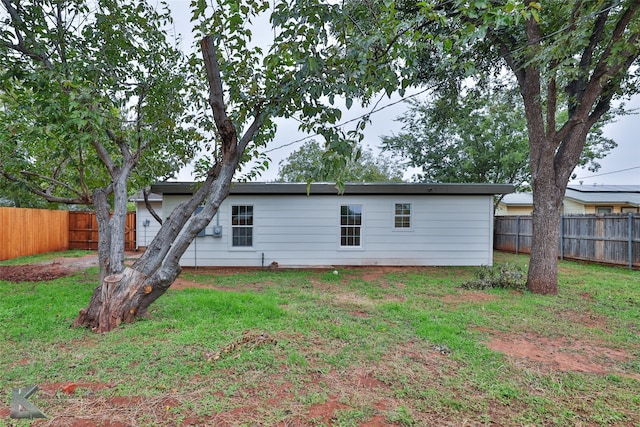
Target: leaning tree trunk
x=127 y=293
x=121 y=296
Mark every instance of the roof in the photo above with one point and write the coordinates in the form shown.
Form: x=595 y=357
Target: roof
x=630 y=198
x=605 y=188
x=518 y=199
x=586 y=194
x=391 y=188
x=139 y=197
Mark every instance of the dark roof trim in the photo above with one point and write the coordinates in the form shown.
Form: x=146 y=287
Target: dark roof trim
x=605 y=188
x=393 y=188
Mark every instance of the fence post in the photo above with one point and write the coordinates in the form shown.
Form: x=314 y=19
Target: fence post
x=561 y=237
x=517 y=232
x=630 y=240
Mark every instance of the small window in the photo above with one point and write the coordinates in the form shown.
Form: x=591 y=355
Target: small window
x=350 y=225
x=603 y=210
x=402 y=218
x=629 y=210
x=242 y=226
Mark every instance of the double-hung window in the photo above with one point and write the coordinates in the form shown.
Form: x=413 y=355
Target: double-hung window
x=350 y=225
x=402 y=216
x=242 y=225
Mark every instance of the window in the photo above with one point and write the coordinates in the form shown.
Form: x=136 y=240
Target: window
x=350 y=225
x=242 y=225
x=603 y=210
x=629 y=210
x=402 y=218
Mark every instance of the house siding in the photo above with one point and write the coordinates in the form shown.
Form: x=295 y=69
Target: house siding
x=144 y=235
x=514 y=210
x=300 y=230
x=616 y=208
x=572 y=207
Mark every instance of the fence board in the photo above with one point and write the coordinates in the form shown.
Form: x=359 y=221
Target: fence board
x=611 y=239
x=83 y=231
x=26 y=232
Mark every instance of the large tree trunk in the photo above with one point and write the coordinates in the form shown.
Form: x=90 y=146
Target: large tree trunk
x=124 y=295
x=543 y=266
x=127 y=292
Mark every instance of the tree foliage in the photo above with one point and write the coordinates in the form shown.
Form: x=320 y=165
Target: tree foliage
x=480 y=136
x=92 y=106
x=307 y=165
x=88 y=86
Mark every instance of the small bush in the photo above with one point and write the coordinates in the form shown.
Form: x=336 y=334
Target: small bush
x=506 y=276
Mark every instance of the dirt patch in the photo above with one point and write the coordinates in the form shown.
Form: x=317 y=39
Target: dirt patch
x=55 y=269
x=34 y=272
x=560 y=354
x=58 y=267
x=468 y=297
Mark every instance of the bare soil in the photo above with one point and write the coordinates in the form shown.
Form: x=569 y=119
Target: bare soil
x=51 y=270
x=528 y=350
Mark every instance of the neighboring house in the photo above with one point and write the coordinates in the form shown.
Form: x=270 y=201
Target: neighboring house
x=580 y=199
x=370 y=224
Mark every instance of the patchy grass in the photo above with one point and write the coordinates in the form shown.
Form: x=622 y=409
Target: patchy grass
x=48 y=256
x=368 y=346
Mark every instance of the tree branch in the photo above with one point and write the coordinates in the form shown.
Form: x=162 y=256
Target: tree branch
x=102 y=152
x=576 y=88
x=552 y=104
x=80 y=200
x=152 y=211
x=603 y=68
x=21 y=46
x=223 y=123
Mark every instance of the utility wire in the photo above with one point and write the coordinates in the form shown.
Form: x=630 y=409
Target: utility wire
x=515 y=50
x=608 y=173
x=373 y=111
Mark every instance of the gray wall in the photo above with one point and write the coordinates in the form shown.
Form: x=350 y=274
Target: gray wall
x=298 y=231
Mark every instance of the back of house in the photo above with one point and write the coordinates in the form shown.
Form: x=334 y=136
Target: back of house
x=292 y=225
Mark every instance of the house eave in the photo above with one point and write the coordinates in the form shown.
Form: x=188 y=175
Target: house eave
x=394 y=188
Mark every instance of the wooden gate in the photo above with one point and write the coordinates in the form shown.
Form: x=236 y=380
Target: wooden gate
x=83 y=231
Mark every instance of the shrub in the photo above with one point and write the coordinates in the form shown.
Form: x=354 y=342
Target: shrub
x=505 y=276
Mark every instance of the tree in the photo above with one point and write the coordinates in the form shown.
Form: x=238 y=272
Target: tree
x=480 y=136
x=92 y=106
x=570 y=59
x=307 y=165
x=581 y=52
x=299 y=76
x=482 y=139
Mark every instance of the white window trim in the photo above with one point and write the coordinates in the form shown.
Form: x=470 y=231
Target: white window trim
x=362 y=213
x=393 y=218
x=231 y=228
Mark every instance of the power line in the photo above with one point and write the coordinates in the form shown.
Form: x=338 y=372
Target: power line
x=514 y=50
x=610 y=173
x=373 y=111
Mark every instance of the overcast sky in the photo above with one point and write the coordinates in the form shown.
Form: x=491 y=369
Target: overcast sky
x=620 y=167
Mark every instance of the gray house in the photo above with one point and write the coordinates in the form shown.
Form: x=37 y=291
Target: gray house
x=369 y=224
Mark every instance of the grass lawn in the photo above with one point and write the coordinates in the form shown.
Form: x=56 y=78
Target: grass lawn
x=364 y=347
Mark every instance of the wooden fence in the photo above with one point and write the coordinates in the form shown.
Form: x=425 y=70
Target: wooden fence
x=26 y=232
x=32 y=231
x=83 y=231
x=611 y=239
